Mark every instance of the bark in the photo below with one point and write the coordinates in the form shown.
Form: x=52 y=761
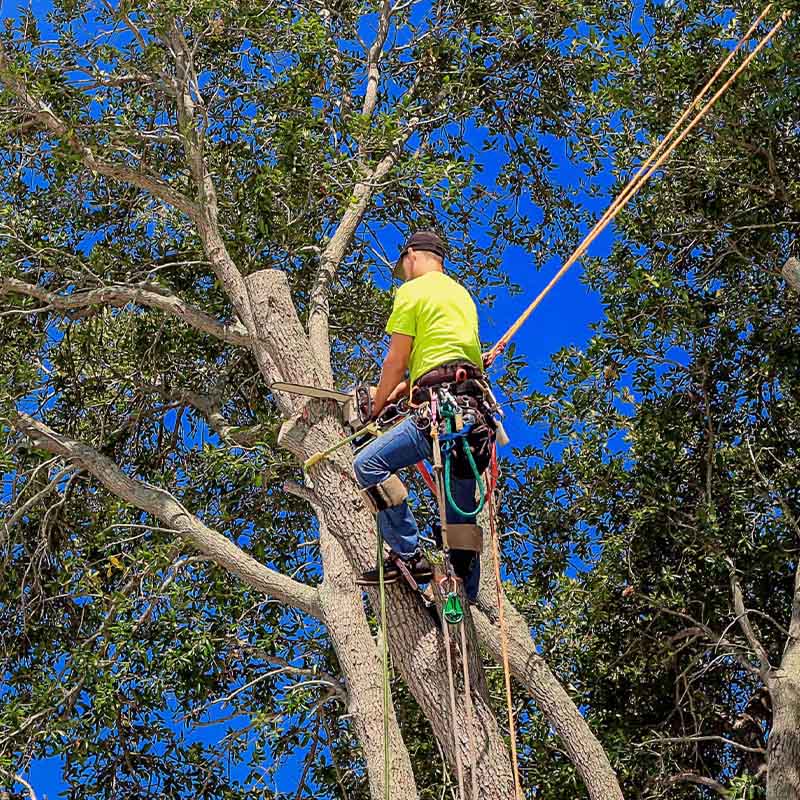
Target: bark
x=791 y=271
x=783 y=747
x=163 y=506
x=343 y=613
x=120 y=296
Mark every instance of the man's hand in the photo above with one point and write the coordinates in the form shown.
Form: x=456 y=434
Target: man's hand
x=490 y=355
x=399 y=391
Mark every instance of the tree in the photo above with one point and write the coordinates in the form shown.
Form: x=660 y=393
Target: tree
x=191 y=202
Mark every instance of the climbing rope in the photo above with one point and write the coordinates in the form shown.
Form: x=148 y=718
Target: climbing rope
x=512 y=733
x=387 y=697
x=656 y=159
x=448 y=457
x=437 y=472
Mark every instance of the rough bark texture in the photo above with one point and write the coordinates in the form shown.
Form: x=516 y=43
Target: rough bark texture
x=783 y=748
x=343 y=614
x=791 y=271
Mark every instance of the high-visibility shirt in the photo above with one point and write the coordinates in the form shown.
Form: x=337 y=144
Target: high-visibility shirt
x=441 y=316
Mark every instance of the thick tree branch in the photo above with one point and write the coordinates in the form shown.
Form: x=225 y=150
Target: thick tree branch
x=119 y=296
x=530 y=669
x=168 y=509
x=42 y=113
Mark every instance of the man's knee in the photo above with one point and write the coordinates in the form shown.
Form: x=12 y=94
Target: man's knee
x=386 y=494
x=363 y=470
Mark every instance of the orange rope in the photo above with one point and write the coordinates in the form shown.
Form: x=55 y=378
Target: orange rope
x=647 y=169
x=512 y=732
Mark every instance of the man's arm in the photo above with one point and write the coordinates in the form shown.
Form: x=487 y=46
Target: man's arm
x=394 y=369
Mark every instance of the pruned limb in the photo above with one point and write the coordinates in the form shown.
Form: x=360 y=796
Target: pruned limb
x=119 y=296
x=162 y=505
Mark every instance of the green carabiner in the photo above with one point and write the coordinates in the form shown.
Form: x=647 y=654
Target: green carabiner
x=453 y=612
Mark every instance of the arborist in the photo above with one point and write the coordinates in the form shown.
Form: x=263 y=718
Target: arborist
x=434 y=338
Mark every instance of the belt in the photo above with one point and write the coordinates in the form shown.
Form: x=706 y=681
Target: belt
x=449 y=373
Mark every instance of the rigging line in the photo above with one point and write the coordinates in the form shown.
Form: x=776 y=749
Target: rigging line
x=629 y=188
x=618 y=205
x=387 y=696
x=512 y=733
x=473 y=771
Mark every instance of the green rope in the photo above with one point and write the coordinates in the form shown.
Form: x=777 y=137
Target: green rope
x=386 y=690
x=476 y=474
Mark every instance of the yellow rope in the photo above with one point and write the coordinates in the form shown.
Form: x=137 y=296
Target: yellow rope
x=512 y=732
x=647 y=169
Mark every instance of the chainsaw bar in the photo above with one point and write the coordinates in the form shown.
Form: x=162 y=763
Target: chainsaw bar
x=311 y=391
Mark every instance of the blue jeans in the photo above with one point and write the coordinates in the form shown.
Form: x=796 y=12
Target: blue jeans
x=402 y=446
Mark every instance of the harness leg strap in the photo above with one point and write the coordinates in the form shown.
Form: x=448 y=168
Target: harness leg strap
x=386 y=494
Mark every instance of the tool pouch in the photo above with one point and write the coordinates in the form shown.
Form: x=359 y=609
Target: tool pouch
x=385 y=494
x=465 y=537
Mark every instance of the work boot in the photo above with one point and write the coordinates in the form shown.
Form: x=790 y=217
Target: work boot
x=417 y=566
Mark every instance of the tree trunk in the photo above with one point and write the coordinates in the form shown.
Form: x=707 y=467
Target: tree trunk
x=415 y=643
x=530 y=669
x=783 y=748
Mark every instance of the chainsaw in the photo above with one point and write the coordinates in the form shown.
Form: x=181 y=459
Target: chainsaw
x=355 y=410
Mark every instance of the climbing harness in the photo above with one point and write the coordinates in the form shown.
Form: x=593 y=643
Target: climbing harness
x=659 y=155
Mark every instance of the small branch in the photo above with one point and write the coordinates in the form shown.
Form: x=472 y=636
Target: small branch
x=700 y=780
x=120 y=296
x=332 y=256
x=20 y=512
x=373 y=61
x=744 y=619
x=688 y=739
x=209 y=408
x=164 y=506
x=19 y=779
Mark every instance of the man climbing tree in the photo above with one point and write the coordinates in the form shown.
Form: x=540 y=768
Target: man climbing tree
x=434 y=335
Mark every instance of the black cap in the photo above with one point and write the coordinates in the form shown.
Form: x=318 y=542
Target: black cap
x=429 y=241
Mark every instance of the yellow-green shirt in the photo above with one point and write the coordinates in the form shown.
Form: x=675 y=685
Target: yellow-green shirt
x=442 y=318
